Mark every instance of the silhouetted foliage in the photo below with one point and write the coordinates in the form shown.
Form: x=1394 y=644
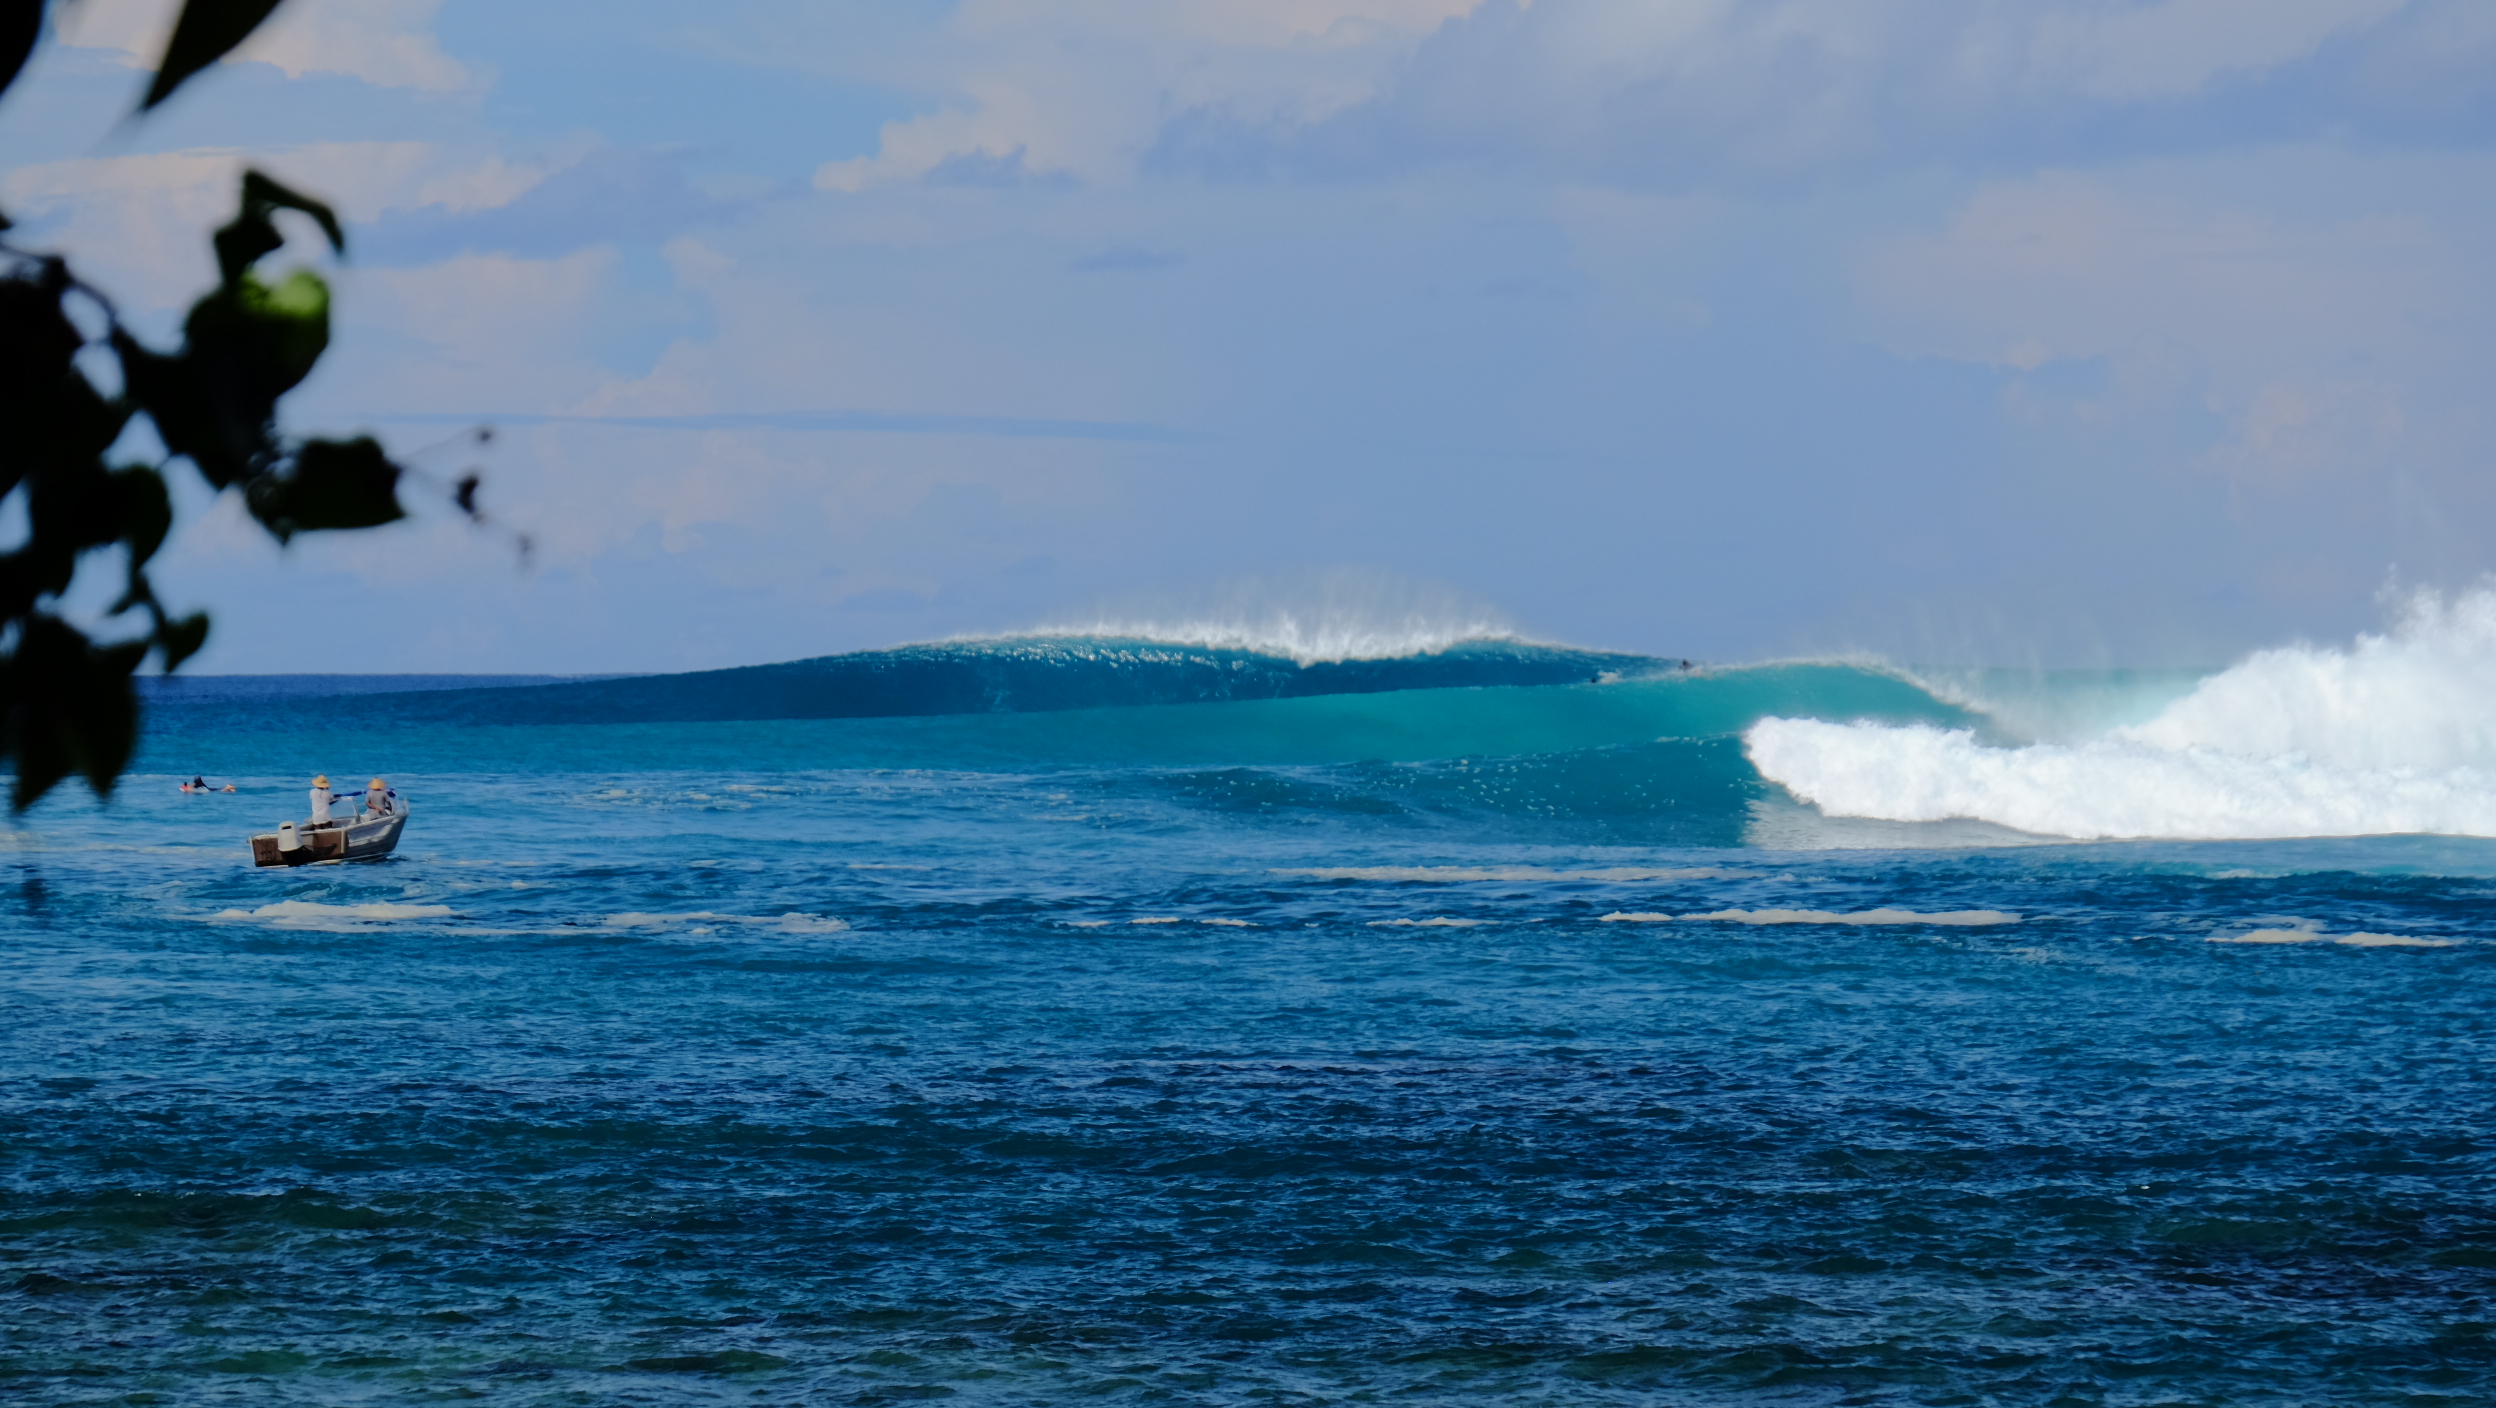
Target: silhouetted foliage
x=66 y=702
x=207 y=31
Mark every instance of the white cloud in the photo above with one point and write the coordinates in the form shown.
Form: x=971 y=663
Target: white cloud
x=387 y=43
x=1081 y=88
x=1623 y=91
x=497 y=333
x=2179 y=47
x=2290 y=432
x=2311 y=335
x=1614 y=89
x=906 y=320
x=140 y=223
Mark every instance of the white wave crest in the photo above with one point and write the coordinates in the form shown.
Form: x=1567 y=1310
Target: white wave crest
x=2394 y=734
x=1315 y=619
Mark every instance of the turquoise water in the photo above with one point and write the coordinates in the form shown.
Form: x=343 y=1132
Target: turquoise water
x=1510 y=1042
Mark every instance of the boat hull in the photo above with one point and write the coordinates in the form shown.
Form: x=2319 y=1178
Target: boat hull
x=338 y=841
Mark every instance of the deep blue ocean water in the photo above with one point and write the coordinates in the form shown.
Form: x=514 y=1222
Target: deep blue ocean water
x=1514 y=1043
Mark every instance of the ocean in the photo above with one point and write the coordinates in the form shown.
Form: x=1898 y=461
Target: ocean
x=1098 y=1019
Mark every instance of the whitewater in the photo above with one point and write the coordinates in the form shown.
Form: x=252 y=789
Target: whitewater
x=2393 y=734
x=1213 y=1006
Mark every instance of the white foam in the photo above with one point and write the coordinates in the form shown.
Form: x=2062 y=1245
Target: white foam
x=791 y=922
x=1439 y=923
x=2391 y=735
x=306 y=914
x=1458 y=874
x=1952 y=917
x=2360 y=939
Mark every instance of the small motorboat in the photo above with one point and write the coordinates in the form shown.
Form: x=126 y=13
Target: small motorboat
x=306 y=844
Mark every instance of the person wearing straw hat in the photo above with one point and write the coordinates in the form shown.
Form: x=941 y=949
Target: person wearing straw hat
x=379 y=800
x=321 y=798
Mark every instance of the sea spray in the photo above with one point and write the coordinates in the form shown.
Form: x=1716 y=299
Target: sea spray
x=2393 y=734
x=1312 y=618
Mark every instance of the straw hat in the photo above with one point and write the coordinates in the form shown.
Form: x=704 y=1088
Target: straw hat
x=321 y=781
x=377 y=782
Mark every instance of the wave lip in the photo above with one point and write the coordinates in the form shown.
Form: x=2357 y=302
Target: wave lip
x=2392 y=735
x=1308 y=618
x=1303 y=642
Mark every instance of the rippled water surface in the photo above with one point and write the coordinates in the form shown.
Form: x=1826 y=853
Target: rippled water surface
x=1349 y=1083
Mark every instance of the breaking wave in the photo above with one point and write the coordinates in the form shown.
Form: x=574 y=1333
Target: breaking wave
x=2392 y=734
x=1014 y=675
x=2389 y=734
x=1325 y=618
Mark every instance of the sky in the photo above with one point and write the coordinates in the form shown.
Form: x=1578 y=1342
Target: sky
x=2063 y=332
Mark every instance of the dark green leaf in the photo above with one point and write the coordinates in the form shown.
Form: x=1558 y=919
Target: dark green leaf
x=21 y=24
x=37 y=339
x=248 y=343
x=253 y=234
x=180 y=640
x=206 y=419
x=259 y=340
x=53 y=415
x=269 y=194
x=144 y=510
x=21 y=581
x=69 y=706
x=331 y=484
x=207 y=31
x=243 y=240
x=107 y=719
x=70 y=508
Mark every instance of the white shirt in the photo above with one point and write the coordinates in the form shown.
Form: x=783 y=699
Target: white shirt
x=320 y=805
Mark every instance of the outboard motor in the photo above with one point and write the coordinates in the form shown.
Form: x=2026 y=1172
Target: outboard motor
x=287 y=841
